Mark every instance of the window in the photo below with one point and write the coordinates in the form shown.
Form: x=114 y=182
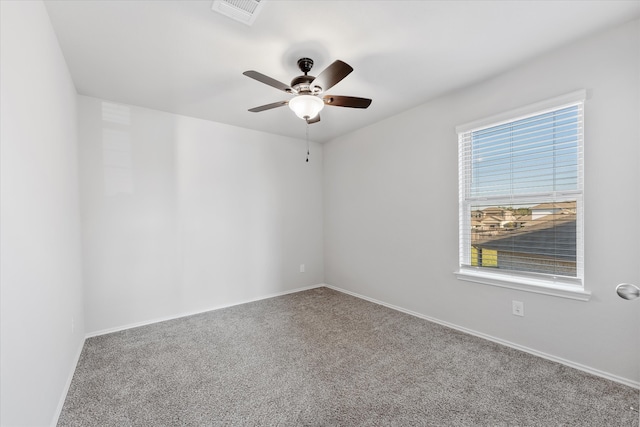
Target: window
x=521 y=198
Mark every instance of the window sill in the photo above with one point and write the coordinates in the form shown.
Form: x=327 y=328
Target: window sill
x=538 y=286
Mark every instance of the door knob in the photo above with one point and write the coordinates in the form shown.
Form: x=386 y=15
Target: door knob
x=628 y=291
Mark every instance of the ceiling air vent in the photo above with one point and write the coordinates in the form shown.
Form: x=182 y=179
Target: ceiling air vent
x=244 y=11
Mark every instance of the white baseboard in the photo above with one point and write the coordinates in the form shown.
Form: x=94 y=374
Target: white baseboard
x=590 y=370
x=63 y=396
x=191 y=313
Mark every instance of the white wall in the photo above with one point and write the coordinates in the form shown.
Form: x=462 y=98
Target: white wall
x=391 y=209
x=40 y=272
x=182 y=215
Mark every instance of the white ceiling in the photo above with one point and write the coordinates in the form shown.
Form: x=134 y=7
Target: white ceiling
x=181 y=57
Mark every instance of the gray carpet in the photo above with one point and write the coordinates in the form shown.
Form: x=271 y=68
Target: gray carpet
x=323 y=358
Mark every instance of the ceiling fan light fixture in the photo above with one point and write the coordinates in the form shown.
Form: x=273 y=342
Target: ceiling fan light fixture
x=306 y=106
x=308 y=99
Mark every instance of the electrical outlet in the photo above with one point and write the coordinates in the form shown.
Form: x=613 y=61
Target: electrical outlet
x=517 y=308
x=301 y=268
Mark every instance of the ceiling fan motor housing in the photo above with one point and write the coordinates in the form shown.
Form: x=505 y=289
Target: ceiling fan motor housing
x=302 y=84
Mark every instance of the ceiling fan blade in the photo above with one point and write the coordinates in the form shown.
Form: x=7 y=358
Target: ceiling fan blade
x=346 y=101
x=268 y=81
x=316 y=119
x=268 y=106
x=331 y=75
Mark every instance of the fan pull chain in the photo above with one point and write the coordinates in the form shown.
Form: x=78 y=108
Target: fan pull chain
x=307 y=142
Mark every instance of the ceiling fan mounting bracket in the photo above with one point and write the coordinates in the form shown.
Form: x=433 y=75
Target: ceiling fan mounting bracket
x=305 y=64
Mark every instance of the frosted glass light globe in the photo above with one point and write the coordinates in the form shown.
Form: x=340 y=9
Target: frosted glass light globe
x=306 y=106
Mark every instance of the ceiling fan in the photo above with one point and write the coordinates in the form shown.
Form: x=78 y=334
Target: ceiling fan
x=309 y=91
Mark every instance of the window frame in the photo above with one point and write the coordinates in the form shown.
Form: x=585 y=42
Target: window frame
x=560 y=286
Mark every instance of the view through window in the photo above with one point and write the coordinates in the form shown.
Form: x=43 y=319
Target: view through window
x=521 y=195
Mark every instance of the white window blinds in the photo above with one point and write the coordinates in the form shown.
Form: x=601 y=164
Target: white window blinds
x=521 y=184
